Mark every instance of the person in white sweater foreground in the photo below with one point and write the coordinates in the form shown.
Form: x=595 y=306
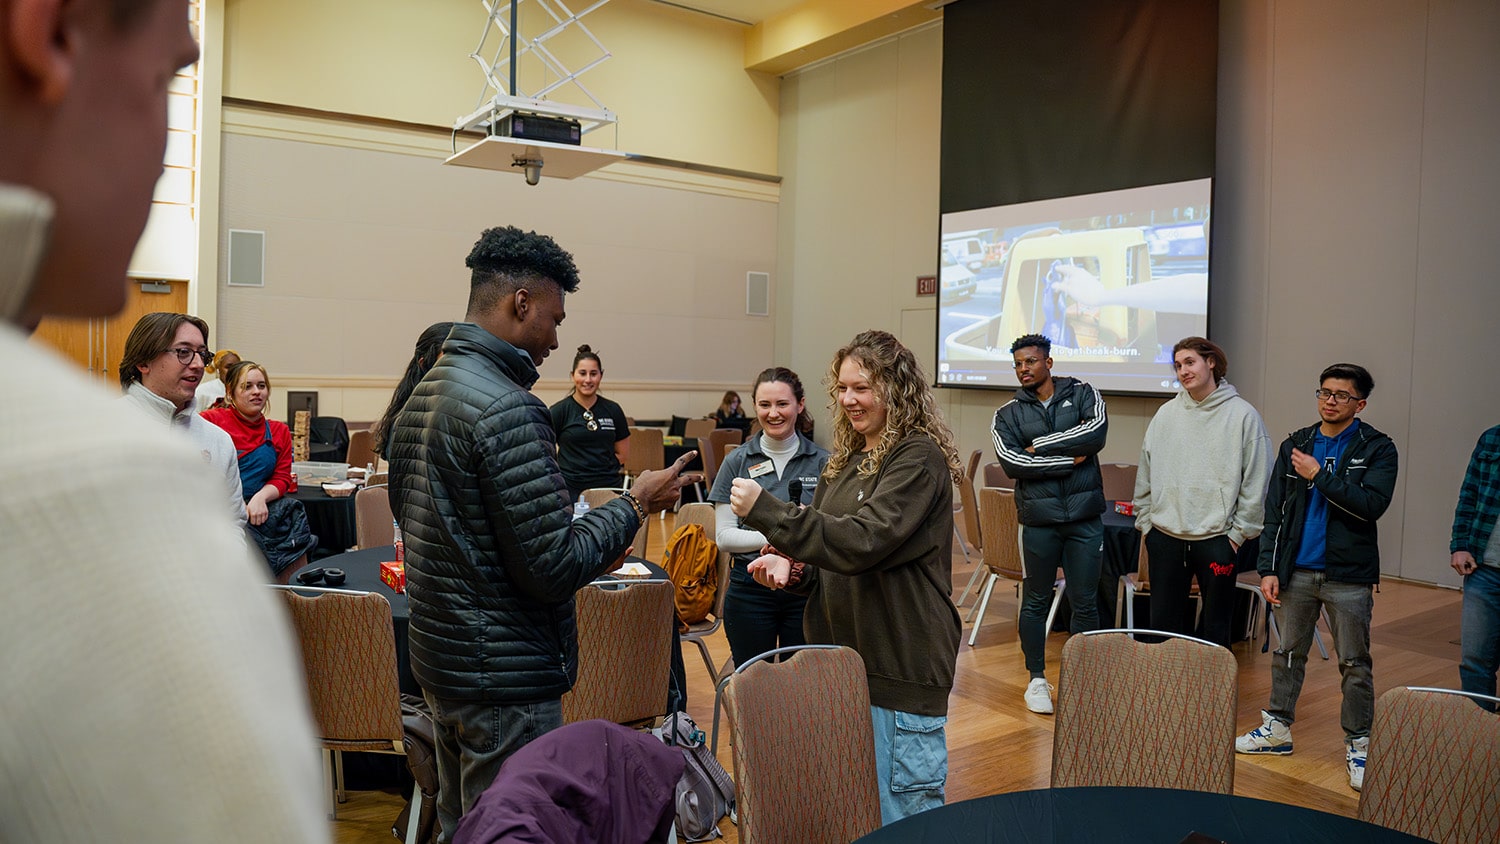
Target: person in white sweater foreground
x=152 y=691
x=1200 y=492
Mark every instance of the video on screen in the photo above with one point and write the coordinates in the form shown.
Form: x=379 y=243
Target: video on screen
x=1112 y=279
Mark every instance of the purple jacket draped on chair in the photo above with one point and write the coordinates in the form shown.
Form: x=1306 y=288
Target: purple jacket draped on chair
x=589 y=781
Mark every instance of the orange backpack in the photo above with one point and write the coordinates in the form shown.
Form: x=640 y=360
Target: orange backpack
x=692 y=564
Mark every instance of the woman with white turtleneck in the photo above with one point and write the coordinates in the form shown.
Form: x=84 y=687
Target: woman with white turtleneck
x=787 y=465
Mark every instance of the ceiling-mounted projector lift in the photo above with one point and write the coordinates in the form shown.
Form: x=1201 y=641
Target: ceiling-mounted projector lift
x=525 y=133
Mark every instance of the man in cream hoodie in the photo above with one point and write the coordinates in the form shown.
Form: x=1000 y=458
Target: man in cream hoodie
x=1200 y=491
x=152 y=689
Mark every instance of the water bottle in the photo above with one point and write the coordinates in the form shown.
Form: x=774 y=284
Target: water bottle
x=400 y=546
x=580 y=508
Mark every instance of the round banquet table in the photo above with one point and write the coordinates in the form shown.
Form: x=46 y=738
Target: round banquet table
x=1129 y=816
x=331 y=520
x=362 y=573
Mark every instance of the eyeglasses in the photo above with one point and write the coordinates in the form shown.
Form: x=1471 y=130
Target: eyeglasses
x=185 y=355
x=589 y=421
x=1340 y=397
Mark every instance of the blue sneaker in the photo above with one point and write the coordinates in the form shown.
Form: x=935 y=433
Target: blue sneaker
x=1355 y=757
x=1273 y=737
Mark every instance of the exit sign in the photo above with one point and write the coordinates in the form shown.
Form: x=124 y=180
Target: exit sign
x=926 y=285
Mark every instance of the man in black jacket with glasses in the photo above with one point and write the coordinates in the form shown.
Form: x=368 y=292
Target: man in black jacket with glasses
x=1319 y=551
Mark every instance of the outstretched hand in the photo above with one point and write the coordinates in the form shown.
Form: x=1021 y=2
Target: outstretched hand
x=659 y=489
x=771 y=571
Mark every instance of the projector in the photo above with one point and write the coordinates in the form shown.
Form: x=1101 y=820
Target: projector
x=536 y=127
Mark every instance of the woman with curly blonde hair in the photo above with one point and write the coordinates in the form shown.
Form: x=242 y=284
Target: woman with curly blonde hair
x=874 y=555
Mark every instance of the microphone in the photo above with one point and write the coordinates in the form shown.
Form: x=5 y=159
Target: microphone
x=794 y=491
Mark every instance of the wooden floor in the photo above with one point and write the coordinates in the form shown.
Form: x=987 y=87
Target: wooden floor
x=995 y=745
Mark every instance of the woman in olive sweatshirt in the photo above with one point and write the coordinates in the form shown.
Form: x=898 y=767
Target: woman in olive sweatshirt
x=874 y=555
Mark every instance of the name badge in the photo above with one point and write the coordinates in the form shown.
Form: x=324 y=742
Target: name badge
x=762 y=469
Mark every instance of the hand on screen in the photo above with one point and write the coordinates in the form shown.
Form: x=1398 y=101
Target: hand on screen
x=1079 y=284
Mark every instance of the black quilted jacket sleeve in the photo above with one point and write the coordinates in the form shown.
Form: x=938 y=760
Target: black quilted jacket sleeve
x=493 y=556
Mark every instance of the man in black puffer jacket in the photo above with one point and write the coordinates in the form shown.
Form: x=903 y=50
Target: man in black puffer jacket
x=492 y=555
x=1047 y=439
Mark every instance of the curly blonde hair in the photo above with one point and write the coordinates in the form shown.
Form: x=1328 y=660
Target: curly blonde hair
x=901 y=387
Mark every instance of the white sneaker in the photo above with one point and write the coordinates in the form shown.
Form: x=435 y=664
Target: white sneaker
x=1039 y=696
x=1273 y=737
x=1354 y=756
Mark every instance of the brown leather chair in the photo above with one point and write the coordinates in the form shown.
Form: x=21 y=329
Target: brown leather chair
x=1431 y=766
x=802 y=727
x=348 y=647
x=1176 y=700
x=374 y=524
x=625 y=636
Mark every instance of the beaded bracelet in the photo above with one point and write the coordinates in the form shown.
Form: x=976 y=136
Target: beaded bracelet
x=636 y=505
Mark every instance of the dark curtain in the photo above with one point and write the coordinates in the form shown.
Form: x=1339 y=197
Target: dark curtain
x=1044 y=99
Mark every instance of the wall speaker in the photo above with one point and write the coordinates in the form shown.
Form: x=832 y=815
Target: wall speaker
x=758 y=294
x=247 y=258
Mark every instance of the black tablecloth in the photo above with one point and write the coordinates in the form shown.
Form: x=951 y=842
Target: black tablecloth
x=672 y=452
x=330 y=519
x=362 y=573
x=1128 y=816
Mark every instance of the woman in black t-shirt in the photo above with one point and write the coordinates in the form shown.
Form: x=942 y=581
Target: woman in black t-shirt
x=591 y=430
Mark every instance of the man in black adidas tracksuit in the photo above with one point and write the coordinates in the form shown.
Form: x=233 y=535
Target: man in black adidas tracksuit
x=1047 y=439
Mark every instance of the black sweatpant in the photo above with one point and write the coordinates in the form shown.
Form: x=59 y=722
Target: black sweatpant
x=1173 y=563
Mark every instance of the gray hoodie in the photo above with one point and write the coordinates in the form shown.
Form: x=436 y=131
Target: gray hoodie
x=1204 y=467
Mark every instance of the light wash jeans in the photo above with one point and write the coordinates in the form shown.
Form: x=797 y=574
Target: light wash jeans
x=1349 y=606
x=1480 y=634
x=911 y=762
x=473 y=740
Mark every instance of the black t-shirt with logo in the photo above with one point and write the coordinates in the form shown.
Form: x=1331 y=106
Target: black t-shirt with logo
x=586 y=442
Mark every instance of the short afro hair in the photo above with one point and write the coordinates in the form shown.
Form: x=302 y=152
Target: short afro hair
x=507 y=255
x=1026 y=341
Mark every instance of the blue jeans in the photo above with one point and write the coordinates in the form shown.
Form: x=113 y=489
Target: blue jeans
x=1480 y=634
x=911 y=762
x=757 y=619
x=473 y=740
x=1079 y=548
x=1349 y=606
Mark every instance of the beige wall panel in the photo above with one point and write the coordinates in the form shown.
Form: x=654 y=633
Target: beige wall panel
x=1457 y=297
x=1345 y=185
x=365 y=249
x=843 y=205
x=853 y=243
x=1241 y=215
x=676 y=79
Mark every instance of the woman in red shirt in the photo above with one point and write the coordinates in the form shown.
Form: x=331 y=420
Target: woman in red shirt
x=264 y=446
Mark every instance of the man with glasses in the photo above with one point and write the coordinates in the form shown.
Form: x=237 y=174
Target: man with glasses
x=163 y=364
x=1319 y=551
x=1048 y=438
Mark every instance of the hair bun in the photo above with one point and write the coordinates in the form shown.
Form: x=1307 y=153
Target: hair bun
x=585 y=350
